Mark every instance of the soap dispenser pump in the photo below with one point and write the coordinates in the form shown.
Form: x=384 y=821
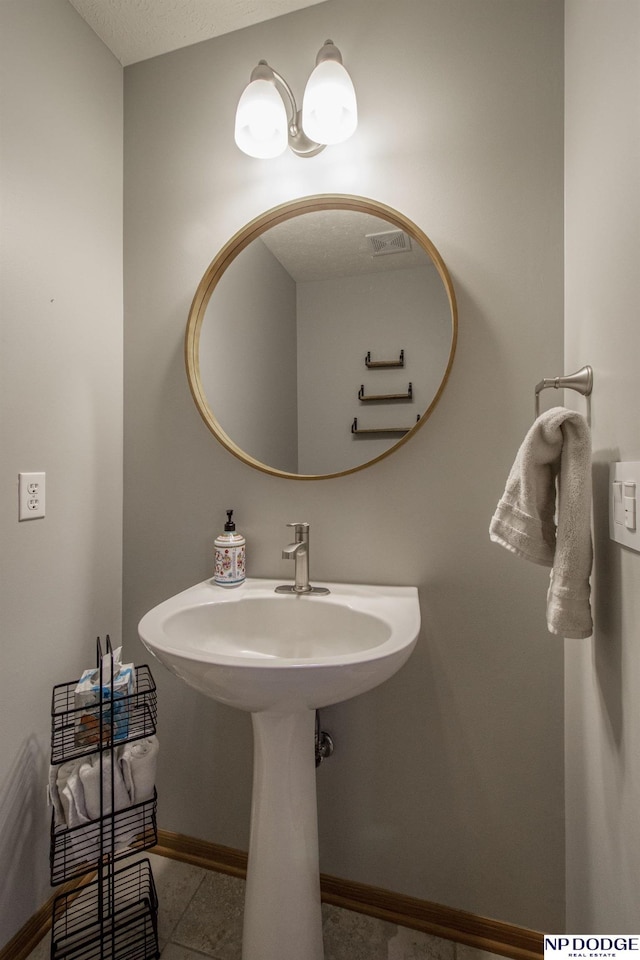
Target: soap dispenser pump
x=230 y=555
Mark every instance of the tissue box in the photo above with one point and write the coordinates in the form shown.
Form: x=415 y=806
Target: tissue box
x=115 y=705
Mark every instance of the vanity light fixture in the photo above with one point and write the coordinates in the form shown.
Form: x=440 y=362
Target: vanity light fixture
x=268 y=119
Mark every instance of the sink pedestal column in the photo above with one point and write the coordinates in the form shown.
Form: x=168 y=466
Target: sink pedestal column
x=282 y=919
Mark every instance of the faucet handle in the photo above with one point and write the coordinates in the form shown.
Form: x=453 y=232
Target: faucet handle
x=301 y=529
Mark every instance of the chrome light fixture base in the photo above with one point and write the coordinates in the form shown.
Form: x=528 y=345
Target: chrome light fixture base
x=299 y=142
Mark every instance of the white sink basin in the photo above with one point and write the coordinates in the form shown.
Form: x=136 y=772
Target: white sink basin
x=282 y=657
x=257 y=650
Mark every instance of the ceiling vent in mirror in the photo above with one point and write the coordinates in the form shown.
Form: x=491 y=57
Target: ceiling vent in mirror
x=390 y=241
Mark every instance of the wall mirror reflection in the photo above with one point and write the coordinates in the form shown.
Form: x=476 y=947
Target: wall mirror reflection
x=321 y=337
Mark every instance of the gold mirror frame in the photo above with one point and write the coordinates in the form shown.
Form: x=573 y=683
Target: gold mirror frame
x=228 y=254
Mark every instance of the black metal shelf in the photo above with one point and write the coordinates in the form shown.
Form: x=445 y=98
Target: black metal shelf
x=116 y=920
x=114 y=916
x=70 y=740
x=75 y=851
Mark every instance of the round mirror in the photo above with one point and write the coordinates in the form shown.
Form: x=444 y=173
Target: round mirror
x=321 y=337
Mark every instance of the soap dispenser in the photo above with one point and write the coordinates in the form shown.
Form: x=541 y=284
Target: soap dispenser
x=230 y=555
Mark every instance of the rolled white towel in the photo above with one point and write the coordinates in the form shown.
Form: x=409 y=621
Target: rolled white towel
x=73 y=803
x=67 y=798
x=59 y=772
x=90 y=777
x=138 y=762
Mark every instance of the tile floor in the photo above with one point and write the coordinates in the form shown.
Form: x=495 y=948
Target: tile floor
x=200 y=916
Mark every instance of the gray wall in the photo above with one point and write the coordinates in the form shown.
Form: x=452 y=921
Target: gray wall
x=247 y=350
x=60 y=399
x=447 y=782
x=339 y=320
x=602 y=296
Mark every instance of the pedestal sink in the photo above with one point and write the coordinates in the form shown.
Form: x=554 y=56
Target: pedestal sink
x=281 y=658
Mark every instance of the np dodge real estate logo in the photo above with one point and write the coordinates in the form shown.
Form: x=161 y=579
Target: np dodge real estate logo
x=592 y=947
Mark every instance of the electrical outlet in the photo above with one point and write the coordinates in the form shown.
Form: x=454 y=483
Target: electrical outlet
x=31 y=490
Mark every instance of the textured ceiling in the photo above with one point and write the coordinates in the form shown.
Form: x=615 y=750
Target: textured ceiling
x=333 y=243
x=138 y=29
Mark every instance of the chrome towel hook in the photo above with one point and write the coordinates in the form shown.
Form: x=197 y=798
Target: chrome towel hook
x=581 y=381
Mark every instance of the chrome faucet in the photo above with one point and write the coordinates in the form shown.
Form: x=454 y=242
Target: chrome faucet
x=299 y=551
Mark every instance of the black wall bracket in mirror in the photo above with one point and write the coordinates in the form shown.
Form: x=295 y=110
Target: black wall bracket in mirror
x=283 y=317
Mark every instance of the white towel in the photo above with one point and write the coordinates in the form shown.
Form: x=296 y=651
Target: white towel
x=67 y=798
x=66 y=794
x=555 y=456
x=57 y=778
x=138 y=761
x=73 y=803
x=90 y=776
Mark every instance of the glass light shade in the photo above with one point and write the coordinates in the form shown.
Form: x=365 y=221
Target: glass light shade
x=261 y=121
x=329 y=108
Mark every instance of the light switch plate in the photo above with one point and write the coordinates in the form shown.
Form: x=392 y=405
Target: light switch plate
x=622 y=528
